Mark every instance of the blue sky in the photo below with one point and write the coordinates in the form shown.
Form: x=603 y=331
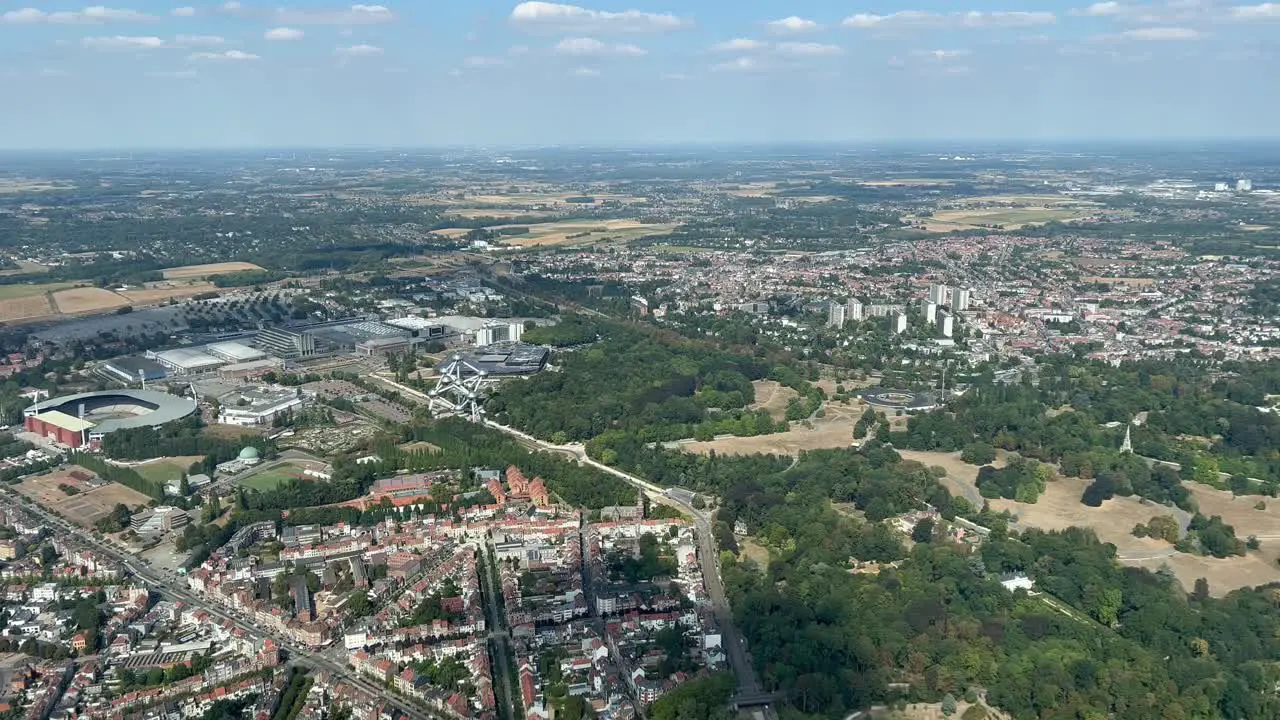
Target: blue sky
x=143 y=73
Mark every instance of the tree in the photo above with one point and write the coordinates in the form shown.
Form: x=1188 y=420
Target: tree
x=1201 y=590
x=978 y=453
x=923 y=531
x=948 y=705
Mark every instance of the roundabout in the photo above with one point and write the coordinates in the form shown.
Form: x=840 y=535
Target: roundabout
x=893 y=399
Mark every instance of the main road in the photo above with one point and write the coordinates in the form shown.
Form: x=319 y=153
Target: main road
x=731 y=641
x=173 y=585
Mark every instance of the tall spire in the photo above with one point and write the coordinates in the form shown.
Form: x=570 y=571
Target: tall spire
x=1127 y=445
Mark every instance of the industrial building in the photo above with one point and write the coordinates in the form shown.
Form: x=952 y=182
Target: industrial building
x=234 y=352
x=284 y=343
x=186 y=361
x=257 y=406
x=83 y=420
x=132 y=370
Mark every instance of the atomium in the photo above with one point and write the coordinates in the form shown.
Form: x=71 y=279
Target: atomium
x=457 y=391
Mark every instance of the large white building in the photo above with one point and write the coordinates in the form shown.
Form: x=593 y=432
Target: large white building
x=960 y=298
x=939 y=294
x=257 y=406
x=898 y=322
x=836 y=315
x=1244 y=185
x=929 y=310
x=946 y=324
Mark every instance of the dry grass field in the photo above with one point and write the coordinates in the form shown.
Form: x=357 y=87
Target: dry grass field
x=452 y=232
x=580 y=232
x=1060 y=508
x=26 y=308
x=833 y=431
x=1130 y=281
x=84 y=508
x=773 y=396
x=187 y=272
x=162 y=292
x=87 y=300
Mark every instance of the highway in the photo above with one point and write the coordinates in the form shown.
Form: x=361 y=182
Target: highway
x=173 y=585
x=748 y=683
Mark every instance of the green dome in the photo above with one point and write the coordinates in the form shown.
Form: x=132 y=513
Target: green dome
x=249 y=453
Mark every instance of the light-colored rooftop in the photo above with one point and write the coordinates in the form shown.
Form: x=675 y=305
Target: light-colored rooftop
x=65 y=421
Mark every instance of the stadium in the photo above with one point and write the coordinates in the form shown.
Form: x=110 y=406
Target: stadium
x=81 y=421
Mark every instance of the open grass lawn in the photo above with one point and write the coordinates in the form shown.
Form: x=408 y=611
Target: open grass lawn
x=167 y=469
x=270 y=479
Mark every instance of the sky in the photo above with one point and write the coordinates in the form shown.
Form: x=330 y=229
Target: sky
x=491 y=73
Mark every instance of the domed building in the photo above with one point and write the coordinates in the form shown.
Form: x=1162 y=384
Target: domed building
x=250 y=456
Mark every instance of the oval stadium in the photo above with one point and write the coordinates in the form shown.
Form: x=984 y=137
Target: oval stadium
x=81 y=421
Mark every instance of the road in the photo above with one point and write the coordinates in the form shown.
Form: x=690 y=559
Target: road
x=744 y=672
x=173 y=585
x=498 y=633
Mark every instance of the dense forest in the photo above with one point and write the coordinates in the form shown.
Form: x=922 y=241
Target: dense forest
x=655 y=384
x=1122 y=642
x=1206 y=420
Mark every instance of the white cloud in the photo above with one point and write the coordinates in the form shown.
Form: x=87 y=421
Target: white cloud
x=1103 y=9
x=353 y=15
x=941 y=54
x=53 y=72
x=176 y=74
x=92 y=15
x=123 y=42
x=198 y=40
x=1158 y=33
x=973 y=19
x=518 y=50
x=742 y=64
x=232 y=6
x=477 y=61
x=586 y=72
x=225 y=56
x=591 y=47
x=738 y=45
x=792 y=24
x=283 y=33
x=1265 y=11
x=809 y=49
x=183 y=12
x=673 y=76
x=572 y=18
x=361 y=50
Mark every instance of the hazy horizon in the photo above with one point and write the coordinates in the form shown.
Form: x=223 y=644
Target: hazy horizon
x=147 y=74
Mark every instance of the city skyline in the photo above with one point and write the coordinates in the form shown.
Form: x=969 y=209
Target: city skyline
x=147 y=74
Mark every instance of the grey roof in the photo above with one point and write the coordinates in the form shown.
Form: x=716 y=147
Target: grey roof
x=156 y=408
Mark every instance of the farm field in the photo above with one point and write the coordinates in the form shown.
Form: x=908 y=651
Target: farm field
x=166 y=469
x=86 y=300
x=26 y=308
x=581 y=232
x=86 y=507
x=17 y=292
x=1011 y=218
x=187 y=272
x=161 y=293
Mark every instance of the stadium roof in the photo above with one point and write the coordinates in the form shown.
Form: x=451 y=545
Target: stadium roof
x=159 y=407
x=65 y=421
